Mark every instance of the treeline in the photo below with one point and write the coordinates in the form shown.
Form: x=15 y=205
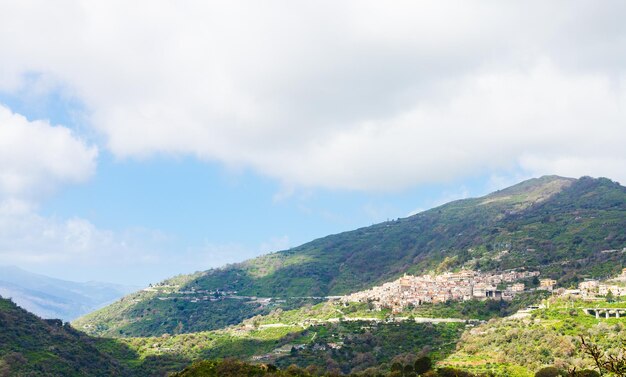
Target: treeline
x=421 y=367
x=235 y=368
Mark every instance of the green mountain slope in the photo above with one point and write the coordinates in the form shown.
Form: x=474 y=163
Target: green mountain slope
x=30 y=346
x=560 y=226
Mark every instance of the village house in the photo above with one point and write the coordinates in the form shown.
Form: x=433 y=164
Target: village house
x=588 y=288
x=547 y=284
x=604 y=289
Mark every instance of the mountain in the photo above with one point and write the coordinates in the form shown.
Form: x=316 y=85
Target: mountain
x=30 y=346
x=567 y=229
x=54 y=298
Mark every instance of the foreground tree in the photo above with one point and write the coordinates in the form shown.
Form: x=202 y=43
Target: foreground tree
x=614 y=365
x=423 y=365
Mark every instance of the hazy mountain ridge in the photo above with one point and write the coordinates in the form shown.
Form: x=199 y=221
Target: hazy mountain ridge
x=556 y=225
x=56 y=298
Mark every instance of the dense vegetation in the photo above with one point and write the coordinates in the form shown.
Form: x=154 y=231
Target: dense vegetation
x=232 y=368
x=340 y=347
x=327 y=335
x=371 y=345
x=420 y=367
x=557 y=225
x=30 y=346
x=546 y=343
x=151 y=316
x=548 y=337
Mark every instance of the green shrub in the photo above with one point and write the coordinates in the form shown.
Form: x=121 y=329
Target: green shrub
x=549 y=372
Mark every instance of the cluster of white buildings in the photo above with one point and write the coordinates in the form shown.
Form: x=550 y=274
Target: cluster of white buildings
x=593 y=288
x=464 y=285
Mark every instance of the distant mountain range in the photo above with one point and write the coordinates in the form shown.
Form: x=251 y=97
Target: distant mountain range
x=566 y=228
x=55 y=298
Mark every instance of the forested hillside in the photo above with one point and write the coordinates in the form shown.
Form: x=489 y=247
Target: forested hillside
x=30 y=346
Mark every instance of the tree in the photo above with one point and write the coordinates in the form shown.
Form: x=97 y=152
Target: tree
x=611 y=364
x=396 y=367
x=609 y=296
x=423 y=365
x=407 y=371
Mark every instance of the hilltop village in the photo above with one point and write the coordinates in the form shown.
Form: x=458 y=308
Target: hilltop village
x=456 y=286
x=410 y=291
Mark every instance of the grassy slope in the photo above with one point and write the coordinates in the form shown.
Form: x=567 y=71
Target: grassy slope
x=553 y=224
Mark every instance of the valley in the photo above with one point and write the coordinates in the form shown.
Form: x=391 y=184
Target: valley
x=312 y=188
x=500 y=285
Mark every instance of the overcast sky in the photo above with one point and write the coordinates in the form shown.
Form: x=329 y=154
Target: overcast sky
x=143 y=139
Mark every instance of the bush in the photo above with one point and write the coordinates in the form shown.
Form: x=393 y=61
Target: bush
x=423 y=365
x=549 y=372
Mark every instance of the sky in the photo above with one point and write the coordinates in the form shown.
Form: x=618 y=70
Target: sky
x=144 y=139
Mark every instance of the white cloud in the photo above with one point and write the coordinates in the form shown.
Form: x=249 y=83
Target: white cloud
x=499 y=121
x=49 y=244
x=27 y=238
x=339 y=94
x=36 y=157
